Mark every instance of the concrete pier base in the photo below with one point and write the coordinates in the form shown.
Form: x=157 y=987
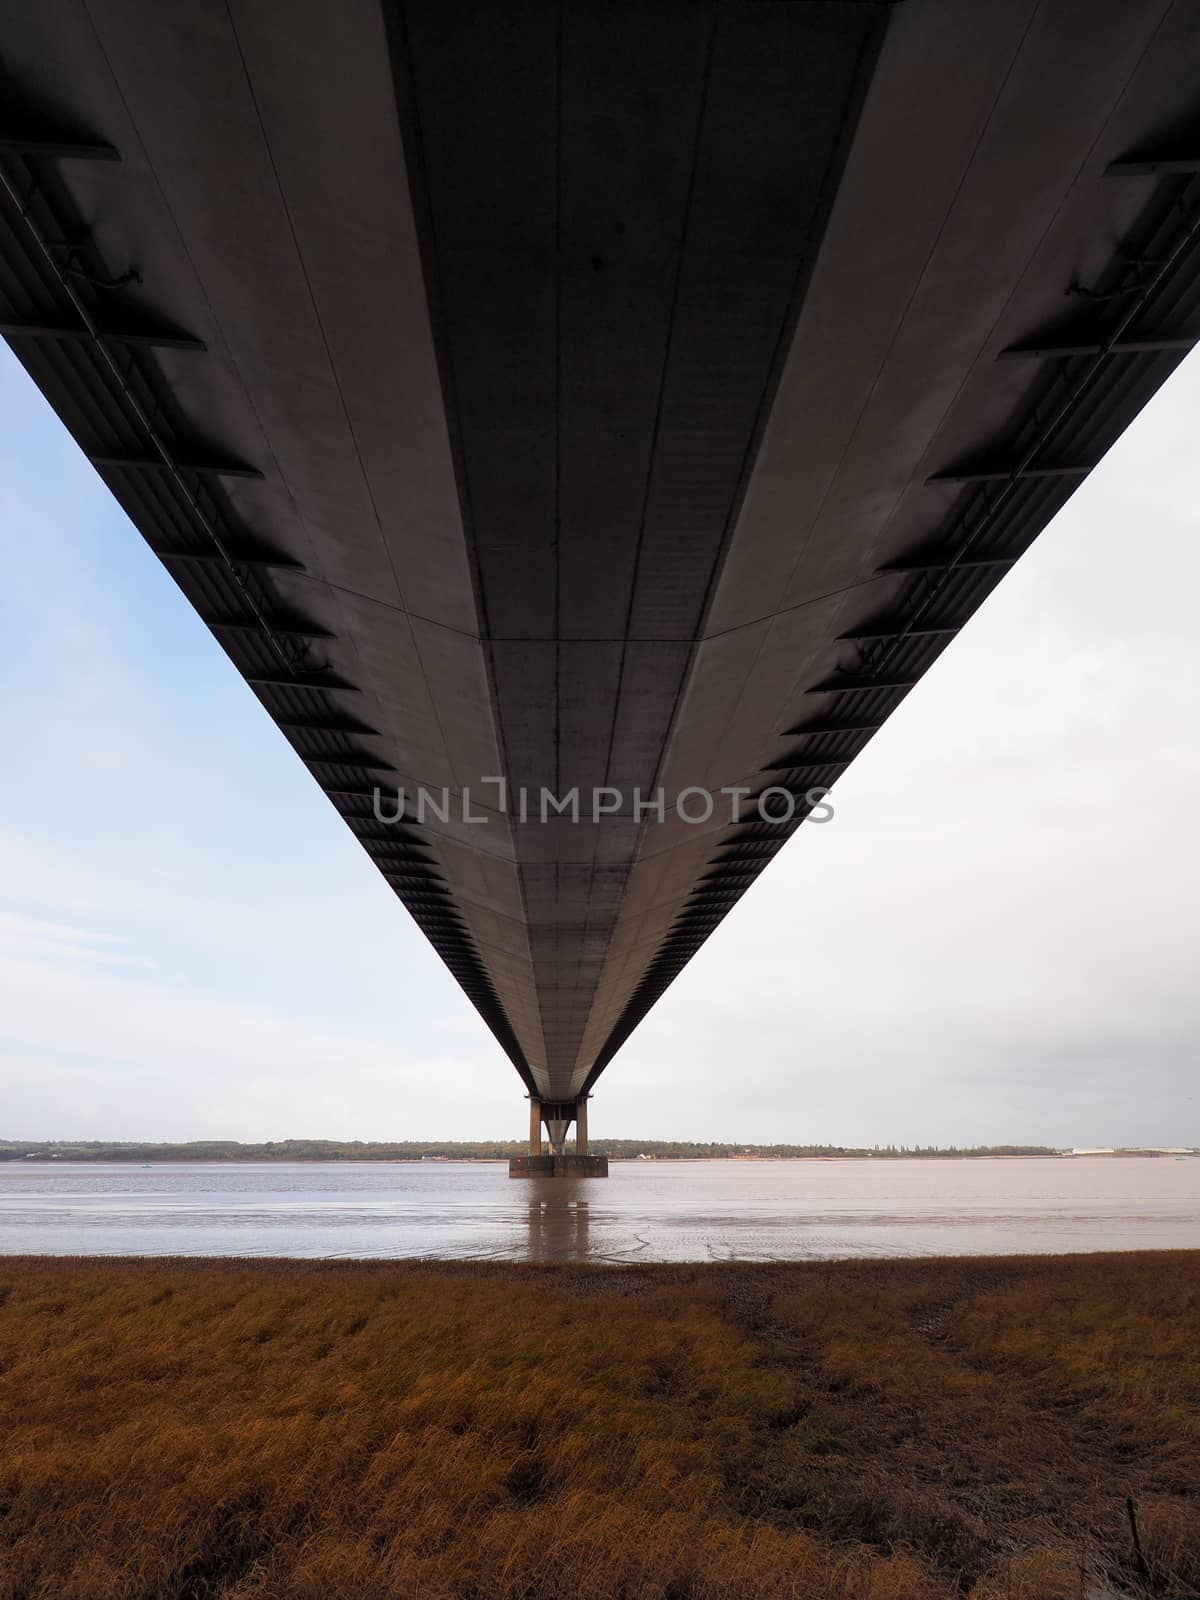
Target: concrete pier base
x=563 y=1166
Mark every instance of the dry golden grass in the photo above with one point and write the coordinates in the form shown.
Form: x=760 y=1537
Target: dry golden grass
x=872 y=1431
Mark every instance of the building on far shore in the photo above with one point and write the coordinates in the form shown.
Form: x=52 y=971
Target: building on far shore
x=1132 y=1150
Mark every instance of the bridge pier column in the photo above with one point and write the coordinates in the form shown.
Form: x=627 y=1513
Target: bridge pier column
x=535 y=1126
x=581 y=1133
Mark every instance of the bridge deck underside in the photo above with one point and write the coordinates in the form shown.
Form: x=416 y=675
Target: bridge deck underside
x=594 y=397
x=623 y=205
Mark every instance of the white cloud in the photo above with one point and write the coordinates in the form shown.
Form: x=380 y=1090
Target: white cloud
x=114 y=1054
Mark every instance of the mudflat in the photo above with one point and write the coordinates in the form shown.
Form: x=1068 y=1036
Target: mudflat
x=1005 y=1428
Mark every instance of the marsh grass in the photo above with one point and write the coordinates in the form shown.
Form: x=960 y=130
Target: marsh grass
x=873 y=1431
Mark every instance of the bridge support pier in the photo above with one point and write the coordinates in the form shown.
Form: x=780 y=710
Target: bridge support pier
x=558 y=1162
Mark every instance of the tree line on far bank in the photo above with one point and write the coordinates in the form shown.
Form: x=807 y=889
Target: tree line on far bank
x=474 y=1150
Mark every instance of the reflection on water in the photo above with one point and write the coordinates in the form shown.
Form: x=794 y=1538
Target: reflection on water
x=667 y=1211
x=558 y=1218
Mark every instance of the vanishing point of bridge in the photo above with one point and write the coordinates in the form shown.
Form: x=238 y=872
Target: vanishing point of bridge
x=575 y=398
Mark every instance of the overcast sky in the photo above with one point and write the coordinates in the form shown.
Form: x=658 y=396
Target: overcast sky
x=996 y=938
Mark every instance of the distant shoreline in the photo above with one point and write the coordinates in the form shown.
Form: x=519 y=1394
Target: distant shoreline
x=160 y=1157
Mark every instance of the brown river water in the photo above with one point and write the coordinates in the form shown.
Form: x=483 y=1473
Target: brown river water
x=646 y=1211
